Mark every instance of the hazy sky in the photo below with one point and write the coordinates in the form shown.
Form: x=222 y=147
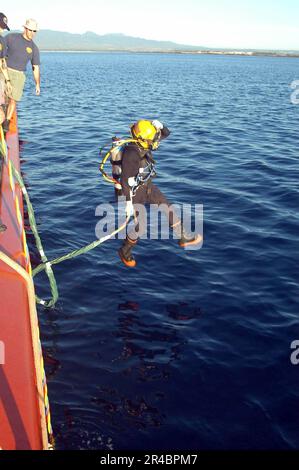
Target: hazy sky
x=249 y=24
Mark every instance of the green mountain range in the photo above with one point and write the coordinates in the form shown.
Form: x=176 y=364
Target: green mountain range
x=49 y=40
x=60 y=41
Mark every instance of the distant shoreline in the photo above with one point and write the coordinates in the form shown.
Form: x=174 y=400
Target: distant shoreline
x=199 y=52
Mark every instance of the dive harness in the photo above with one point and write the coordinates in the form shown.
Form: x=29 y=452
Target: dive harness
x=114 y=154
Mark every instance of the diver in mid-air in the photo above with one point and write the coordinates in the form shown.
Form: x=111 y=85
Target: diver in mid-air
x=133 y=171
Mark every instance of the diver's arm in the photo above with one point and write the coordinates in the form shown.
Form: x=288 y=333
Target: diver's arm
x=165 y=132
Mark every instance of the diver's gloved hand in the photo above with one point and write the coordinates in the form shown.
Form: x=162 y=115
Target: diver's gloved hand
x=157 y=124
x=129 y=209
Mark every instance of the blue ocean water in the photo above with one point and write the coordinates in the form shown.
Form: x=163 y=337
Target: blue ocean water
x=191 y=350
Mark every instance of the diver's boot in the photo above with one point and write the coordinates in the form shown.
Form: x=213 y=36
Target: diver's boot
x=125 y=253
x=188 y=240
x=185 y=238
x=2 y=227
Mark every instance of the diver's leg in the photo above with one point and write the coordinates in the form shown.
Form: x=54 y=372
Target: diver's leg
x=138 y=229
x=157 y=197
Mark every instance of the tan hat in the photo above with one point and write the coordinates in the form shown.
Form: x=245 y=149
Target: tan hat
x=31 y=24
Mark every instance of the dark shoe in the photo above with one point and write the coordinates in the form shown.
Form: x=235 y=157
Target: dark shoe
x=189 y=240
x=2 y=227
x=5 y=125
x=125 y=253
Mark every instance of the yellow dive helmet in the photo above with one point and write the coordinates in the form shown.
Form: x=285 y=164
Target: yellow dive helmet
x=146 y=134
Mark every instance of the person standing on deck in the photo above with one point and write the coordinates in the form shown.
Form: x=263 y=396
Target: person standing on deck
x=20 y=49
x=5 y=86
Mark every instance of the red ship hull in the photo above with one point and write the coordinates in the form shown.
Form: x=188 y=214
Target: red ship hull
x=22 y=419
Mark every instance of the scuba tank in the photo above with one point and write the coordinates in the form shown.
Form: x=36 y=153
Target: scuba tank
x=116 y=153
